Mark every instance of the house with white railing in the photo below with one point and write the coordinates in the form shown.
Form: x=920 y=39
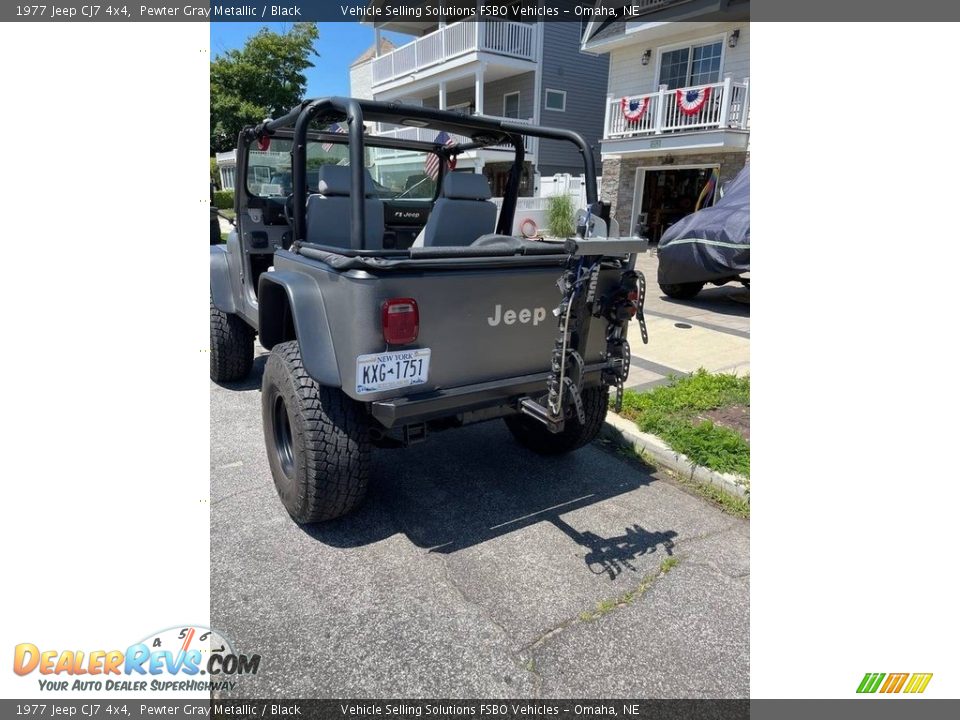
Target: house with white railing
x=676 y=112
x=526 y=71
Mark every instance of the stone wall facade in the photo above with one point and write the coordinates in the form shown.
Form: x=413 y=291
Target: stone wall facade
x=619 y=173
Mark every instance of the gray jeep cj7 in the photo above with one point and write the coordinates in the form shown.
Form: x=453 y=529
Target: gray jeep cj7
x=395 y=299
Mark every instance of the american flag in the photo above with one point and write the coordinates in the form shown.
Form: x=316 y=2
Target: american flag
x=335 y=128
x=431 y=166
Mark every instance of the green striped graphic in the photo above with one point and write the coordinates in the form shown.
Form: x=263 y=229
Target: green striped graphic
x=870 y=682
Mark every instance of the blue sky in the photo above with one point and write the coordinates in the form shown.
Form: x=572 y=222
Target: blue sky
x=339 y=45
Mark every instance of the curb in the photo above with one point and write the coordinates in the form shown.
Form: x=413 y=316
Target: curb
x=624 y=432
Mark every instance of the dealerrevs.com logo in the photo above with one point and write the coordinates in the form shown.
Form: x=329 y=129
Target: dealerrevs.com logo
x=182 y=659
x=892 y=683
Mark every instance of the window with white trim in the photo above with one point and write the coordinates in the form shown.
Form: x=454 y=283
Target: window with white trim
x=465 y=107
x=555 y=100
x=511 y=105
x=694 y=65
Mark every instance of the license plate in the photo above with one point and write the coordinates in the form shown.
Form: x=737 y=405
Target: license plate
x=392 y=370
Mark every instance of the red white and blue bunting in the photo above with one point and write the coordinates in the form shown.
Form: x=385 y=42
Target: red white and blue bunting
x=633 y=110
x=691 y=102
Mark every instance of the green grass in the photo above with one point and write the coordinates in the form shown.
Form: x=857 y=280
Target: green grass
x=223 y=237
x=608 y=605
x=727 y=501
x=733 y=504
x=560 y=216
x=670 y=412
x=669 y=563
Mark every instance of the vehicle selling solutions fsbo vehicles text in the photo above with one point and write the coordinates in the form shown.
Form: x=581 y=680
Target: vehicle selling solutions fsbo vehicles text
x=452 y=12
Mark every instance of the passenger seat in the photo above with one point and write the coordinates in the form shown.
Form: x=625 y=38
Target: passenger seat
x=462 y=213
x=328 y=210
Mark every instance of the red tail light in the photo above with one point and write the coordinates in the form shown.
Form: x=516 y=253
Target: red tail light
x=400 y=318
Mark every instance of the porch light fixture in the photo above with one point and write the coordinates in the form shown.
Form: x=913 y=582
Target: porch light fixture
x=734 y=38
x=645 y=58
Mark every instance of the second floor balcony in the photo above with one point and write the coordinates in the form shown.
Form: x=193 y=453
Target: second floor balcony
x=508 y=39
x=663 y=113
x=429 y=135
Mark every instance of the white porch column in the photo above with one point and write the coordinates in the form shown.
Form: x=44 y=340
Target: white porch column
x=745 y=105
x=661 y=109
x=442 y=95
x=478 y=89
x=606 y=117
x=725 y=100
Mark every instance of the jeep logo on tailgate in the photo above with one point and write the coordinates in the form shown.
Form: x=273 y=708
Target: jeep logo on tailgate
x=523 y=315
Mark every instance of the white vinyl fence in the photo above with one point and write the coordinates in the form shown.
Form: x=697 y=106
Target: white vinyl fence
x=535 y=208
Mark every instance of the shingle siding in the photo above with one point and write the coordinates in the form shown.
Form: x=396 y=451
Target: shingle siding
x=361 y=80
x=584 y=78
x=628 y=76
x=493 y=93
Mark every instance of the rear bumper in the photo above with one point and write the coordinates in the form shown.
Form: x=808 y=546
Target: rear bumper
x=453 y=401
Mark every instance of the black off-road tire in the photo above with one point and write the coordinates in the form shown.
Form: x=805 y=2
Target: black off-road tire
x=681 y=291
x=231 y=346
x=534 y=435
x=317 y=438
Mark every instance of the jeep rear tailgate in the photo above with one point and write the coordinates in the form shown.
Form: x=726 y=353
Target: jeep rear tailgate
x=479 y=324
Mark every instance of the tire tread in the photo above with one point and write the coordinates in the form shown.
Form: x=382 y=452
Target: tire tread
x=335 y=436
x=231 y=346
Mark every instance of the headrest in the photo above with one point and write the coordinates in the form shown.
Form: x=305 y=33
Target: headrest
x=465 y=186
x=335 y=180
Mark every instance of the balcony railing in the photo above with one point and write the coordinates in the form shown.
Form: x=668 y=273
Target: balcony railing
x=429 y=135
x=227 y=158
x=502 y=38
x=727 y=107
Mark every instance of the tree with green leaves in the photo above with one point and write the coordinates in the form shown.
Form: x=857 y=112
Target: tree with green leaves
x=263 y=79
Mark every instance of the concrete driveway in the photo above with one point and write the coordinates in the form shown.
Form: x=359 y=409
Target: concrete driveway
x=711 y=331
x=468 y=572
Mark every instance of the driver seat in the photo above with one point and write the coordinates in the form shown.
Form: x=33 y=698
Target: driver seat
x=328 y=210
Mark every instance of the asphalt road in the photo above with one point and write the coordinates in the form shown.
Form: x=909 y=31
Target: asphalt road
x=467 y=572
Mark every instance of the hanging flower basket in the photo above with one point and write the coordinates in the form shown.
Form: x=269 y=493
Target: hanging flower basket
x=691 y=102
x=633 y=110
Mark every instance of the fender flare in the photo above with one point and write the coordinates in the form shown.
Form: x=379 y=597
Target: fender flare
x=291 y=307
x=220 y=291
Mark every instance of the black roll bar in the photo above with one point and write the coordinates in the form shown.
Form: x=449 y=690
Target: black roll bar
x=353 y=111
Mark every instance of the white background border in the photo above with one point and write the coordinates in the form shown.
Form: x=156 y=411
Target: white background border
x=105 y=509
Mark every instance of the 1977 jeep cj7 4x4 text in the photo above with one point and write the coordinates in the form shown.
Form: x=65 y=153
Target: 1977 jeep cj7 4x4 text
x=395 y=301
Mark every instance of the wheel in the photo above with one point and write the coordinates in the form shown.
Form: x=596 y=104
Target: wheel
x=318 y=440
x=681 y=291
x=231 y=346
x=534 y=435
